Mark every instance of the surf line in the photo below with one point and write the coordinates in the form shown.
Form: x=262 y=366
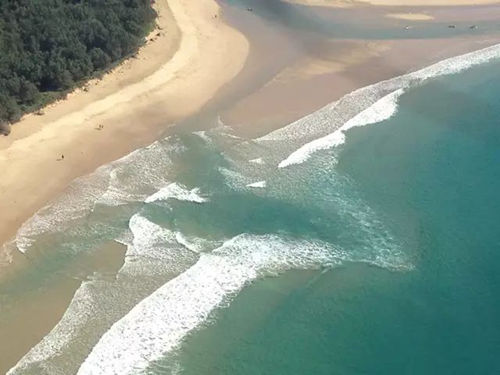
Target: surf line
x=159 y=323
x=382 y=110
x=382 y=107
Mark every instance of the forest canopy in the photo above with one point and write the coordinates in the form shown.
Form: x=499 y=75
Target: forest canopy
x=49 y=46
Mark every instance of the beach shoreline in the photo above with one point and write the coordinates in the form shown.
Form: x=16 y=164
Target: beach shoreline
x=189 y=57
x=253 y=116
x=197 y=59
x=191 y=54
x=398 y=3
x=139 y=231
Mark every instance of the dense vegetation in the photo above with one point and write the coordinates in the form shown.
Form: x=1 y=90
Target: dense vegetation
x=49 y=46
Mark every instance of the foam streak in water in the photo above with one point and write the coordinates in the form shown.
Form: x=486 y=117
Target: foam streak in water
x=153 y=255
x=382 y=110
x=322 y=123
x=129 y=179
x=158 y=324
x=177 y=191
x=258 y=184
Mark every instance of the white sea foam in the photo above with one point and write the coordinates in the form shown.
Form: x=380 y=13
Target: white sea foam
x=151 y=257
x=333 y=116
x=458 y=63
x=135 y=176
x=177 y=191
x=154 y=250
x=146 y=238
x=258 y=184
x=61 y=334
x=203 y=135
x=196 y=245
x=129 y=179
x=302 y=128
x=159 y=323
x=234 y=179
x=381 y=110
x=74 y=203
x=238 y=181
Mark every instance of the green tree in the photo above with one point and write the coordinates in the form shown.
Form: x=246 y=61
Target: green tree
x=49 y=46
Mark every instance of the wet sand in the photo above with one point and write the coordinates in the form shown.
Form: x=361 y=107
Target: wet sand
x=313 y=69
x=346 y=3
x=410 y=16
x=37 y=309
x=195 y=54
x=282 y=101
x=275 y=87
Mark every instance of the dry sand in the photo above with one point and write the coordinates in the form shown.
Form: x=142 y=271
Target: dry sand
x=171 y=78
x=410 y=16
x=193 y=54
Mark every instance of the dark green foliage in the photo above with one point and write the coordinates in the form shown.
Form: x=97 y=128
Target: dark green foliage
x=48 y=46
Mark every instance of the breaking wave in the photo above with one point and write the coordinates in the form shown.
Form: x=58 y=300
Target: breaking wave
x=319 y=130
x=179 y=192
x=170 y=283
x=381 y=110
x=153 y=257
x=130 y=179
x=258 y=184
x=159 y=323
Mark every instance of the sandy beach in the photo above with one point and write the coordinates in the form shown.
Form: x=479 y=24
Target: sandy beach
x=187 y=59
x=410 y=16
x=403 y=3
x=254 y=116
x=430 y=2
x=217 y=59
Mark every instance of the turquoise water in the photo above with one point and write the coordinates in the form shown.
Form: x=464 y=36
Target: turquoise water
x=434 y=171
x=377 y=255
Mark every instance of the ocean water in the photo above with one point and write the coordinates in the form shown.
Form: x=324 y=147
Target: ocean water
x=361 y=239
x=433 y=171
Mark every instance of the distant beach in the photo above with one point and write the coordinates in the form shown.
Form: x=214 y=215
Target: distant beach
x=184 y=162
x=402 y=3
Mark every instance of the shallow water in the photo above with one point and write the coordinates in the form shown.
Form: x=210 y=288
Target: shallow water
x=363 y=23
x=433 y=172
x=374 y=251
